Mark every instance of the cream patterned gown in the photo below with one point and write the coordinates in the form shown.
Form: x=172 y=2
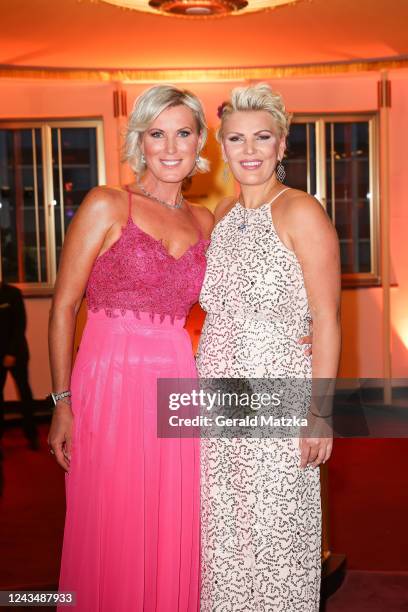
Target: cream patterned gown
x=260 y=512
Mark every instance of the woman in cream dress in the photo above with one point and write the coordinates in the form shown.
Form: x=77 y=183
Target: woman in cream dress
x=273 y=268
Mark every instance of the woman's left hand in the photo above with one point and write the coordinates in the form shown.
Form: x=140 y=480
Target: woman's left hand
x=315 y=451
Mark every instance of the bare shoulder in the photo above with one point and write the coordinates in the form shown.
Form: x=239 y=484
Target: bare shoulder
x=102 y=208
x=302 y=211
x=223 y=207
x=204 y=217
x=102 y=201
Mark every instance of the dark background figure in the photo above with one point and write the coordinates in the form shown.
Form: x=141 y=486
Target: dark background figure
x=14 y=356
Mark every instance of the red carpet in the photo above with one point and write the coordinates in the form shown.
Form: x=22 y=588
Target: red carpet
x=371 y=592
x=368 y=500
x=31 y=514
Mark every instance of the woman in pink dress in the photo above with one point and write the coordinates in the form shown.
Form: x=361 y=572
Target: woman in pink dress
x=131 y=540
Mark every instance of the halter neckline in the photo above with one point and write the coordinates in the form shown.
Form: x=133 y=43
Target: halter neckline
x=238 y=203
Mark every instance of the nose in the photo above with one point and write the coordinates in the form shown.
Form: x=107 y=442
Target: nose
x=249 y=147
x=170 y=145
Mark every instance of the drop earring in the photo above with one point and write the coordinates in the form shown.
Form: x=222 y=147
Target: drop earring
x=143 y=159
x=280 y=171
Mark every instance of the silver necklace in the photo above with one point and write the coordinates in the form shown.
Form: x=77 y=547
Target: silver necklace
x=159 y=200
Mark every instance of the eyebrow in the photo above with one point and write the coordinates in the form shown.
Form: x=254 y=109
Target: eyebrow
x=187 y=127
x=255 y=133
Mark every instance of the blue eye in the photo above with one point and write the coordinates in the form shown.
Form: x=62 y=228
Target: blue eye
x=155 y=134
x=184 y=133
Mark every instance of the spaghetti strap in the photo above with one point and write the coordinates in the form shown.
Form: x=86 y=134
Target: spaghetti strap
x=130 y=193
x=278 y=194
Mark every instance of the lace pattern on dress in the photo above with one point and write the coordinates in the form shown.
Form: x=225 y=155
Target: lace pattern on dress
x=138 y=274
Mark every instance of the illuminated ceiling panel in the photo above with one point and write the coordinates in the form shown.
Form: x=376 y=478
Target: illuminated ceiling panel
x=200 y=8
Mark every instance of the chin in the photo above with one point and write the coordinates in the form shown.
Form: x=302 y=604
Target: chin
x=252 y=179
x=171 y=176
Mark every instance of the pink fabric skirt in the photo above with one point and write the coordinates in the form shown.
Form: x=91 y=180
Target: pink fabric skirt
x=131 y=540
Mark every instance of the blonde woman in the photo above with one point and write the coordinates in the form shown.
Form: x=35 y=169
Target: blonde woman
x=272 y=268
x=131 y=538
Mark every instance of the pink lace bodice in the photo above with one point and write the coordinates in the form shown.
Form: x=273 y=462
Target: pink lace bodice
x=137 y=273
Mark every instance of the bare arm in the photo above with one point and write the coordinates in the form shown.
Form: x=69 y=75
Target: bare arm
x=85 y=237
x=82 y=244
x=316 y=246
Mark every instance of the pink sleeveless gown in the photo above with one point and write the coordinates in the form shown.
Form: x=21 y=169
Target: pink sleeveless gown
x=131 y=540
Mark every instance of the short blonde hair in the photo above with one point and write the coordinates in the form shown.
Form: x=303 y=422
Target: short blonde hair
x=146 y=108
x=253 y=98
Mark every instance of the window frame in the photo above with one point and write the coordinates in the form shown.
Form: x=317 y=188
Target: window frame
x=46 y=288
x=356 y=279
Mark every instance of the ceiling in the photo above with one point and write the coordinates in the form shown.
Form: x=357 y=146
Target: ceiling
x=88 y=34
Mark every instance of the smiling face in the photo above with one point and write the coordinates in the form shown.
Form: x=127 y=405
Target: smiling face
x=171 y=144
x=252 y=146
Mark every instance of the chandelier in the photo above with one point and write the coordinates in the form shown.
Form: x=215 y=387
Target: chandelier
x=200 y=8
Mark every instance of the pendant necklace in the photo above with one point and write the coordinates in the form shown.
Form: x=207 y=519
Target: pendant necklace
x=159 y=200
x=242 y=226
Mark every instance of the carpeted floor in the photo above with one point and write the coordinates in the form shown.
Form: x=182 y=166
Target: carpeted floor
x=371 y=592
x=31 y=514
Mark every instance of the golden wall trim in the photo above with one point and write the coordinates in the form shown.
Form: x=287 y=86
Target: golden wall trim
x=201 y=74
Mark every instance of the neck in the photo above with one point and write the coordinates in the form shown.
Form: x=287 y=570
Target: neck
x=169 y=192
x=253 y=196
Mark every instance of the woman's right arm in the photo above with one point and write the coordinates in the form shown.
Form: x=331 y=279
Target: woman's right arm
x=85 y=237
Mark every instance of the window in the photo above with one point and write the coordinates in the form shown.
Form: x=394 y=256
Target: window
x=334 y=158
x=46 y=168
x=300 y=163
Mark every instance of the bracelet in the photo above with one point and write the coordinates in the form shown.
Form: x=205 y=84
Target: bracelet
x=320 y=416
x=60 y=396
x=65 y=401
